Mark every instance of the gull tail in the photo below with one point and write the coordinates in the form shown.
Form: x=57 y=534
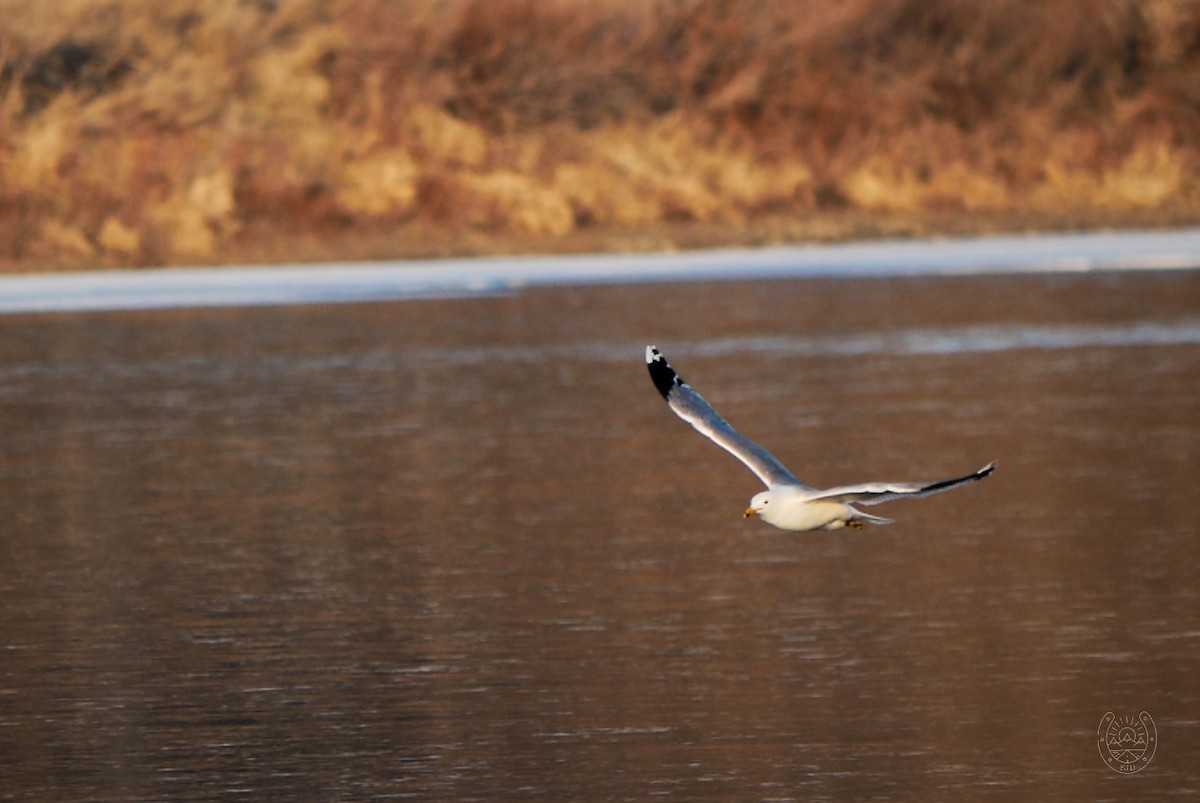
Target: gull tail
x=867 y=518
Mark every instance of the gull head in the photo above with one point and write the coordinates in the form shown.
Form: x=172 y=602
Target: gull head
x=760 y=503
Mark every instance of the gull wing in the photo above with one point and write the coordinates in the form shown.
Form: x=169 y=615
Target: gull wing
x=692 y=408
x=872 y=493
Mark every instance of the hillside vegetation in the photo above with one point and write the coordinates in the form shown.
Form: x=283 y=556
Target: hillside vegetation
x=181 y=131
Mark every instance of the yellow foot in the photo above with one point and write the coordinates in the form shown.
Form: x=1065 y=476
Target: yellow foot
x=858 y=525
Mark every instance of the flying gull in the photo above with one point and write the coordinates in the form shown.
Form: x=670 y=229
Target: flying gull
x=787 y=503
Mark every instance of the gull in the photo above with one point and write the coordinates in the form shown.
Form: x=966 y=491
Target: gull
x=787 y=503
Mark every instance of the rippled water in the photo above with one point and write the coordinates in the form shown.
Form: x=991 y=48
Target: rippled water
x=460 y=549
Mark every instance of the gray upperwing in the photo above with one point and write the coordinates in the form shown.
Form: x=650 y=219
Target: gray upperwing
x=694 y=409
x=873 y=493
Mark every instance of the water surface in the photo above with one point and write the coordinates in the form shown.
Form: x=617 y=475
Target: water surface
x=460 y=549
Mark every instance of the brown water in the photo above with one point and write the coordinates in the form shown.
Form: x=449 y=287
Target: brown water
x=461 y=550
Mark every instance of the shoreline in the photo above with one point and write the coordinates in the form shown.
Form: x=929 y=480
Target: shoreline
x=392 y=280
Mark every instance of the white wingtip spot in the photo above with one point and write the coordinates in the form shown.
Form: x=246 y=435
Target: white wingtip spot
x=651 y=353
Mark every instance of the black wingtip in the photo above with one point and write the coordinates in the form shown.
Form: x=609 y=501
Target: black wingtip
x=661 y=372
x=972 y=477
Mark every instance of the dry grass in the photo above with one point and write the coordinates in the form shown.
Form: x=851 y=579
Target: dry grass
x=186 y=131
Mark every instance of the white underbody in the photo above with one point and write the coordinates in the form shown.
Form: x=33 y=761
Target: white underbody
x=792 y=509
